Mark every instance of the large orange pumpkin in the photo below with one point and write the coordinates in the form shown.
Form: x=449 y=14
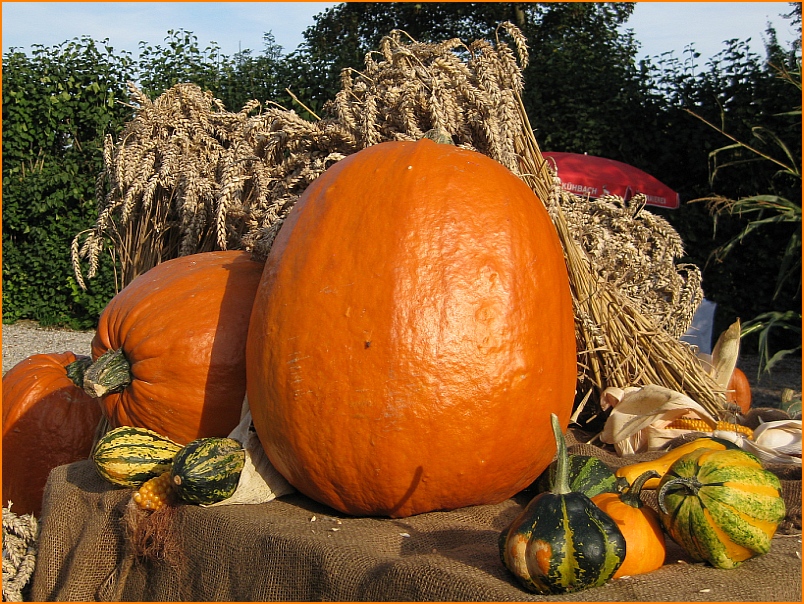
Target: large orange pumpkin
x=178 y=339
x=48 y=421
x=412 y=333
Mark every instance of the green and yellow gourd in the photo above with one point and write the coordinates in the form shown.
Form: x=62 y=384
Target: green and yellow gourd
x=586 y=474
x=721 y=506
x=128 y=456
x=562 y=542
x=661 y=465
x=207 y=470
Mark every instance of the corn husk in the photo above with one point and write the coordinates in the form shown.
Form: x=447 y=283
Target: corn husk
x=638 y=418
x=725 y=354
x=774 y=442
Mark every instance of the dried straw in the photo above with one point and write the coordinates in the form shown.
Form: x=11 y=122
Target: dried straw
x=618 y=344
x=188 y=176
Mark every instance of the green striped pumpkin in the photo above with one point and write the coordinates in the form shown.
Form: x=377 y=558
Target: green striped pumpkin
x=587 y=475
x=722 y=507
x=207 y=470
x=128 y=456
x=562 y=542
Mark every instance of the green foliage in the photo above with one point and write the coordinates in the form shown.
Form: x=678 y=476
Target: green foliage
x=180 y=60
x=57 y=105
x=769 y=323
x=737 y=88
x=582 y=86
x=767 y=211
x=247 y=76
x=234 y=80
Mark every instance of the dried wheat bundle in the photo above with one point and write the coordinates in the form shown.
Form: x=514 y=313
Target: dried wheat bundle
x=20 y=536
x=163 y=180
x=188 y=176
x=409 y=88
x=638 y=252
x=619 y=345
x=620 y=339
x=406 y=90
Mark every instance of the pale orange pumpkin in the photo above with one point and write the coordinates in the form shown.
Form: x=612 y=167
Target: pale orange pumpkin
x=412 y=333
x=170 y=348
x=738 y=390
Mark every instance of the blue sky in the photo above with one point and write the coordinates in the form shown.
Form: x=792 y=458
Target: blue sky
x=659 y=26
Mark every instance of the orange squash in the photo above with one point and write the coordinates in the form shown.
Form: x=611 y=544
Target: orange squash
x=644 y=538
x=48 y=421
x=170 y=347
x=738 y=390
x=412 y=333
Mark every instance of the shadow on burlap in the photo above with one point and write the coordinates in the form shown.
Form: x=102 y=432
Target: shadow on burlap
x=295 y=549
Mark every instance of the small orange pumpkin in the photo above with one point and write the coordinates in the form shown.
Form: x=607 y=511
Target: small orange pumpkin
x=48 y=421
x=644 y=538
x=739 y=390
x=170 y=348
x=412 y=334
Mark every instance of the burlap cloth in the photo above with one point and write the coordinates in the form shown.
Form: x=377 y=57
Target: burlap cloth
x=295 y=549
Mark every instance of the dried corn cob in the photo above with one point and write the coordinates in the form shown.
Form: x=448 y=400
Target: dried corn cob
x=155 y=493
x=688 y=423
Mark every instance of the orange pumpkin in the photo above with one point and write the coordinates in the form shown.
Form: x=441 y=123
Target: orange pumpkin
x=412 y=333
x=176 y=338
x=739 y=390
x=48 y=421
x=644 y=538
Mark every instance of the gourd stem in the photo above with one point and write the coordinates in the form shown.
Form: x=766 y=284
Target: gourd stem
x=560 y=484
x=76 y=369
x=111 y=372
x=691 y=485
x=631 y=493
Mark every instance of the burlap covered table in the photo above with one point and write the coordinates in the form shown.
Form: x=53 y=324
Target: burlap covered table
x=295 y=549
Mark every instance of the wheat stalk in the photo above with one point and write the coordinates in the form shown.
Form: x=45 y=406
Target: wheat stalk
x=187 y=176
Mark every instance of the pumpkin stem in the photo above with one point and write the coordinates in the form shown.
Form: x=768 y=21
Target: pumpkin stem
x=440 y=136
x=691 y=485
x=76 y=369
x=560 y=484
x=111 y=372
x=630 y=494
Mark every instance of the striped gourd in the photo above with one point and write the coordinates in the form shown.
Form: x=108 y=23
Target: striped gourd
x=587 y=475
x=721 y=506
x=207 y=470
x=662 y=464
x=128 y=456
x=562 y=542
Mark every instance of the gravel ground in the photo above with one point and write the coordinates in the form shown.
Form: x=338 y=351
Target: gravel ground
x=25 y=338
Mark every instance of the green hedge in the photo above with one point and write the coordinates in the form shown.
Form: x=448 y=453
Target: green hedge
x=58 y=103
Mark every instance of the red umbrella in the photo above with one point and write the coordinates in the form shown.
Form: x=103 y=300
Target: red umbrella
x=597 y=176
